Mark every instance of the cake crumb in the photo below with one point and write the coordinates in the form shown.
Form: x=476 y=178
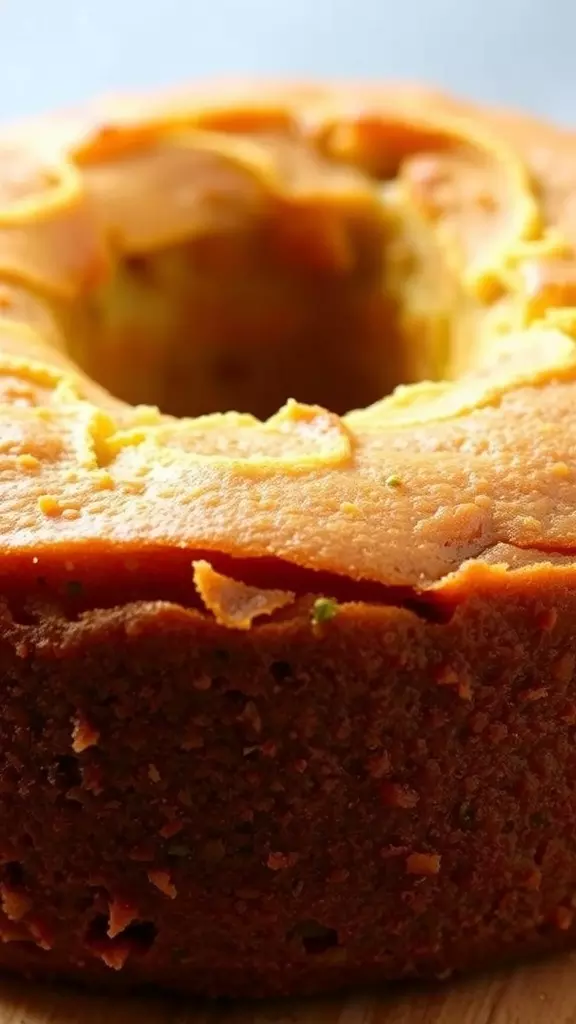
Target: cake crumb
x=447 y=675
x=233 y=604
x=564 y=918
x=41 y=934
x=49 y=505
x=104 y=481
x=280 y=861
x=348 y=508
x=251 y=716
x=394 y=794
x=14 y=904
x=530 y=696
x=560 y=470
x=84 y=735
x=171 y=828
x=120 y=915
x=115 y=956
x=28 y=462
x=423 y=864
x=163 y=882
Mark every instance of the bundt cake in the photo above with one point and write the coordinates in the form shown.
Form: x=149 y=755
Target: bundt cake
x=288 y=697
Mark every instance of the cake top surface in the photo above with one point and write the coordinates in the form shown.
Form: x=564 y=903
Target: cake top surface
x=401 y=493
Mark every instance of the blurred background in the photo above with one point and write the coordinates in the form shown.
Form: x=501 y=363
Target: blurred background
x=57 y=52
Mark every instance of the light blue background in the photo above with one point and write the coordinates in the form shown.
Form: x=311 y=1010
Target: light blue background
x=56 y=52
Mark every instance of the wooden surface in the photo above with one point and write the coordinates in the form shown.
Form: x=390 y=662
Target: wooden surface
x=539 y=994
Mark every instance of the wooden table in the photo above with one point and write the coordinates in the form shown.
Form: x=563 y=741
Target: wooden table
x=542 y=993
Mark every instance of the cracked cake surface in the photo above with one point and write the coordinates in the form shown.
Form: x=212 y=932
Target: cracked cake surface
x=288 y=695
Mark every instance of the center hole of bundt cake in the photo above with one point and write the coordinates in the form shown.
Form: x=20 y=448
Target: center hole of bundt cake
x=215 y=325
x=334 y=300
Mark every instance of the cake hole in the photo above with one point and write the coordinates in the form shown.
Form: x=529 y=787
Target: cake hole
x=138 y=937
x=236 y=699
x=21 y=614
x=333 y=305
x=314 y=937
x=97 y=900
x=142 y=935
x=13 y=874
x=65 y=772
x=244 y=828
x=247 y=333
x=69 y=804
x=26 y=947
x=280 y=671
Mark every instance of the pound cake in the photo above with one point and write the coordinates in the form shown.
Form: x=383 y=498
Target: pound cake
x=288 y=695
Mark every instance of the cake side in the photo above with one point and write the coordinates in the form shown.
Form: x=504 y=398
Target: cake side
x=297 y=807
